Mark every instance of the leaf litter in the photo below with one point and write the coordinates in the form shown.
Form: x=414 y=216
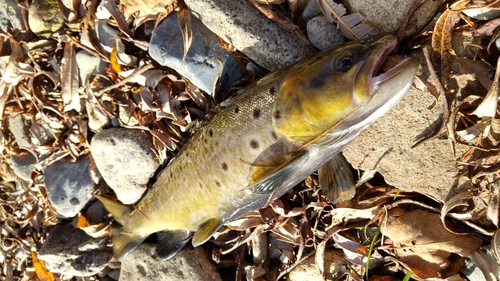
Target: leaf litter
x=44 y=110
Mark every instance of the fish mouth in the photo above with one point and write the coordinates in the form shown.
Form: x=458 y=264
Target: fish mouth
x=385 y=67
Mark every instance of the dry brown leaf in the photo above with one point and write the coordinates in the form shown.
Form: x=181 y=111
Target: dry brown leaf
x=70 y=79
x=441 y=39
x=422 y=243
x=146 y=7
x=114 y=60
x=40 y=269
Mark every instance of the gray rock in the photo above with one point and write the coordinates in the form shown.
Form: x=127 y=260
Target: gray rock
x=199 y=66
x=126 y=161
x=388 y=15
x=45 y=18
x=335 y=267
x=385 y=146
x=10 y=16
x=96 y=213
x=104 y=32
x=188 y=264
x=88 y=65
x=69 y=185
x=241 y=25
x=23 y=164
x=482 y=13
x=71 y=252
x=323 y=34
x=311 y=10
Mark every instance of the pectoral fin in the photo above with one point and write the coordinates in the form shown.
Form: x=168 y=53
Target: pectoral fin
x=171 y=242
x=336 y=180
x=273 y=172
x=205 y=231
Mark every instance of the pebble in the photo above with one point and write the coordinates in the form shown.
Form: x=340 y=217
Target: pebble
x=88 y=65
x=44 y=17
x=188 y=264
x=23 y=164
x=376 y=13
x=323 y=34
x=238 y=23
x=71 y=252
x=199 y=66
x=69 y=185
x=335 y=263
x=97 y=118
x=10 y=17
x=105 y=33
x=126 y=161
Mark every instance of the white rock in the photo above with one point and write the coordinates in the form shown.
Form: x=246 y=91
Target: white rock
x=88 y=65
x=105 y=34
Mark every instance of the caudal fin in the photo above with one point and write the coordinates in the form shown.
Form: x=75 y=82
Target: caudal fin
x=123 y=239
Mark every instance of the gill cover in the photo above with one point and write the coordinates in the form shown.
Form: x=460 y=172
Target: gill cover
x=320 y=92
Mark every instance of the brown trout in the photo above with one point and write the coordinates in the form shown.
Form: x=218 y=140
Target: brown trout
x=258 y=145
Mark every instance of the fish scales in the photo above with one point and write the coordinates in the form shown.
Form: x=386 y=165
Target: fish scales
x=208 y=168
x=258 y=145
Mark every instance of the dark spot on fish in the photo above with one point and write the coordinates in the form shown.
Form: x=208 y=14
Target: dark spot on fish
x=272 y=91
x=224 y=166
x=211 y=133
x=317 y=82
x=217 y=183
x=254 y=144
x=256 y=113
x=187 y=154
x=201 y=186
x=277 y=114
x=275 y=136
x=237 y=109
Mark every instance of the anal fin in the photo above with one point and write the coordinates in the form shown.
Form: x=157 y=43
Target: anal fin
x=170 y=242
x=124 y=242
x=336 y=180
x=205 y=231
x=264 y=179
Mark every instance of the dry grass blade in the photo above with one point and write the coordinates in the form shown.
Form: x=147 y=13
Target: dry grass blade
x=441 y=39
x=187 y=34
x=70 y=79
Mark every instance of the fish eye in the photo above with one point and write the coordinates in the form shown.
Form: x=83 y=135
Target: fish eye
x=343 y=63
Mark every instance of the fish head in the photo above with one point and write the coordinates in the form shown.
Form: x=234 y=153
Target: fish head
x=324 y=91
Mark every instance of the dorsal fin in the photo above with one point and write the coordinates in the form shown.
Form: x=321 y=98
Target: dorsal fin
x=205 y=231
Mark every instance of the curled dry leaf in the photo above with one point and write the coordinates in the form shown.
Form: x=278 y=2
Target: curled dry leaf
x=425 y=245
x=488 y=107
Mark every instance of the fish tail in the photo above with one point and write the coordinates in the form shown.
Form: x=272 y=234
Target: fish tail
x=123 y=239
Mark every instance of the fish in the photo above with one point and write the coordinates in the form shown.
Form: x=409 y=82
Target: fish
x=258 y=145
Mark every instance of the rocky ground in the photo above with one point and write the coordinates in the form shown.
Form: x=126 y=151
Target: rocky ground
x=96 y=97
